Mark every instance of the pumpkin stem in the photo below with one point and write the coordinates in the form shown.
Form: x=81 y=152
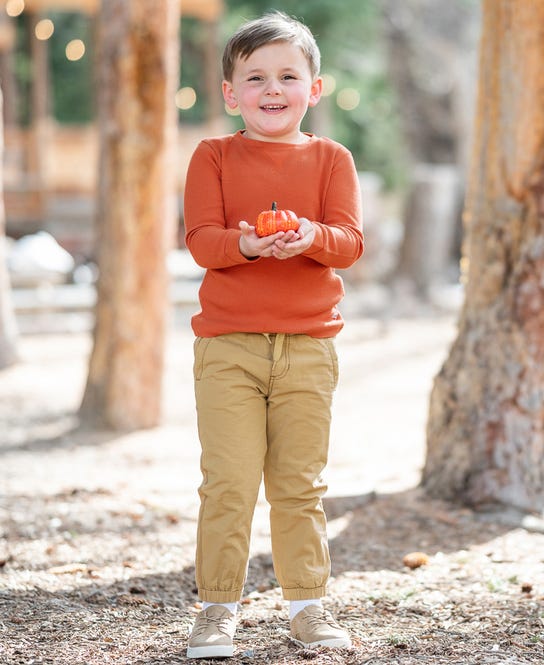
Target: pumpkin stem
x=274 y=206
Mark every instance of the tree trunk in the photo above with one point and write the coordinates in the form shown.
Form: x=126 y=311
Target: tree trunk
x=486 y=421
x=138 y=73
x=8 y=328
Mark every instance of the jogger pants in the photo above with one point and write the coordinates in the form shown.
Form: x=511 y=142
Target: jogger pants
x=264 y=409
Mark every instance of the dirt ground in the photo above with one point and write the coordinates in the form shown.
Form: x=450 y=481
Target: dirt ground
x=98 y=528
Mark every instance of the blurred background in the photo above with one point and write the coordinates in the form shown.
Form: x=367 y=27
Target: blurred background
x=399 y=79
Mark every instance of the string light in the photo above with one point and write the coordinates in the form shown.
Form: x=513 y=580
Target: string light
x=44 y=29
x=15 y=7
x=75 y=49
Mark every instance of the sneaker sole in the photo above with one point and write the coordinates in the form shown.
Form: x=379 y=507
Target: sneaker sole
x=218 y=651
x=335 y=643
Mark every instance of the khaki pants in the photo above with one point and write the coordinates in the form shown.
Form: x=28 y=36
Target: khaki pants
x=263 y=405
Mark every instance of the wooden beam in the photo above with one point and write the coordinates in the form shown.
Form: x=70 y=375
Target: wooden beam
x=207 y=10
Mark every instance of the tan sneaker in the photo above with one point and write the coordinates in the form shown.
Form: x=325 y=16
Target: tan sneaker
x=212 y=634
x=315 y=627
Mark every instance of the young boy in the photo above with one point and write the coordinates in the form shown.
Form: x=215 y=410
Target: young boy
x=265 y=364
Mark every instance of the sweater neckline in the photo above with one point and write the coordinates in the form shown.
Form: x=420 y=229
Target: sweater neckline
x=273 y=145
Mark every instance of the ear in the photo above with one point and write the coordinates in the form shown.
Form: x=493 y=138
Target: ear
x=316 y=91
x=228 y=95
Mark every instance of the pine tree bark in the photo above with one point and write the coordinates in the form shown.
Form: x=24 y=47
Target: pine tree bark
x=485 y=439
x=138 y=73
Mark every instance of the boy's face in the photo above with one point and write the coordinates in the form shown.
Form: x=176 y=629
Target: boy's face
x=273 y=88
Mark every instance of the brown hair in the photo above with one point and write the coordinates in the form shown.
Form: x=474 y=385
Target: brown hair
x=272 y=27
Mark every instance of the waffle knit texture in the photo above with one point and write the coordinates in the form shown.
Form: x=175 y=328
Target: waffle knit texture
x=233 y=178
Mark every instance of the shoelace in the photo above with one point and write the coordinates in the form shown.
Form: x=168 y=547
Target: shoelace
x=316 y=620
x=221 y=623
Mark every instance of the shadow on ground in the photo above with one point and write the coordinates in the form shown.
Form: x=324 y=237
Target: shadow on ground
x=114 y=593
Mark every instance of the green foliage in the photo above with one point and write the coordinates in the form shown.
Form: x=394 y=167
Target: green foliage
x=192 y=68
x=71 y=82
x=22 y=72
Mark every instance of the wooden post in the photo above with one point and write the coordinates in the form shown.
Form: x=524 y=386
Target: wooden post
x=39 y=121
x=7 y=75
x=8 y=328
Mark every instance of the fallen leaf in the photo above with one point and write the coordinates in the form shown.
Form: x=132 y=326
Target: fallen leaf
x=250 y=623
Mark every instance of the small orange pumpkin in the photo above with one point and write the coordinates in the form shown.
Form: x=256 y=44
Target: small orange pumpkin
x=274 y=220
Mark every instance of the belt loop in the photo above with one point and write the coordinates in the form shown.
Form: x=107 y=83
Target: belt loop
x=278 y=347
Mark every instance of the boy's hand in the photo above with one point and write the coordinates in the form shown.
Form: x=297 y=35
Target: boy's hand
x=293 y=243
x=251 y=246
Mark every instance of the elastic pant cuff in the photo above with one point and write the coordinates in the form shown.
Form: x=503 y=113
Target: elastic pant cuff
x=304 y=594
x=208 y=596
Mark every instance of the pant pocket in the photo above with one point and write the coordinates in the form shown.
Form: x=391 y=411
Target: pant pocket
x=331 y=348
x=199 y=348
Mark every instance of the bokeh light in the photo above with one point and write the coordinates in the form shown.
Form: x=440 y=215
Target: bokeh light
x=44 y=29
x=75 y=49
x=348 y=99
x=15 y=7
x=329 y=84
x=185 y=98
x=235 y=111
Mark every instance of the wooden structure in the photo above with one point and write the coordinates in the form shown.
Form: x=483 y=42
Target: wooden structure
x=207 y=10
x=51 y=170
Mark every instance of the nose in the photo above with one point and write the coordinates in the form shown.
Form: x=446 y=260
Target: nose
x=273 y=87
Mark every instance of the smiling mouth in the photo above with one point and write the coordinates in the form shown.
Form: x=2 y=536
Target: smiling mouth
x=273 y=107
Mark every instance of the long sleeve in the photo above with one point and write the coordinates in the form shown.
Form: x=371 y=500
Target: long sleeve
x=339 y=238
x=211 y=243
x=231 y=179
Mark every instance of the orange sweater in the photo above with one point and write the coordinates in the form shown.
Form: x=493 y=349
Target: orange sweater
x=232 y=178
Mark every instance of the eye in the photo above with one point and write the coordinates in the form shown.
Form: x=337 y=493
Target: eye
x=289 y=77
x=255 y=78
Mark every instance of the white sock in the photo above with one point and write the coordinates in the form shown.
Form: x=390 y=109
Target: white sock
x=296 y=606
x=231 y=607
